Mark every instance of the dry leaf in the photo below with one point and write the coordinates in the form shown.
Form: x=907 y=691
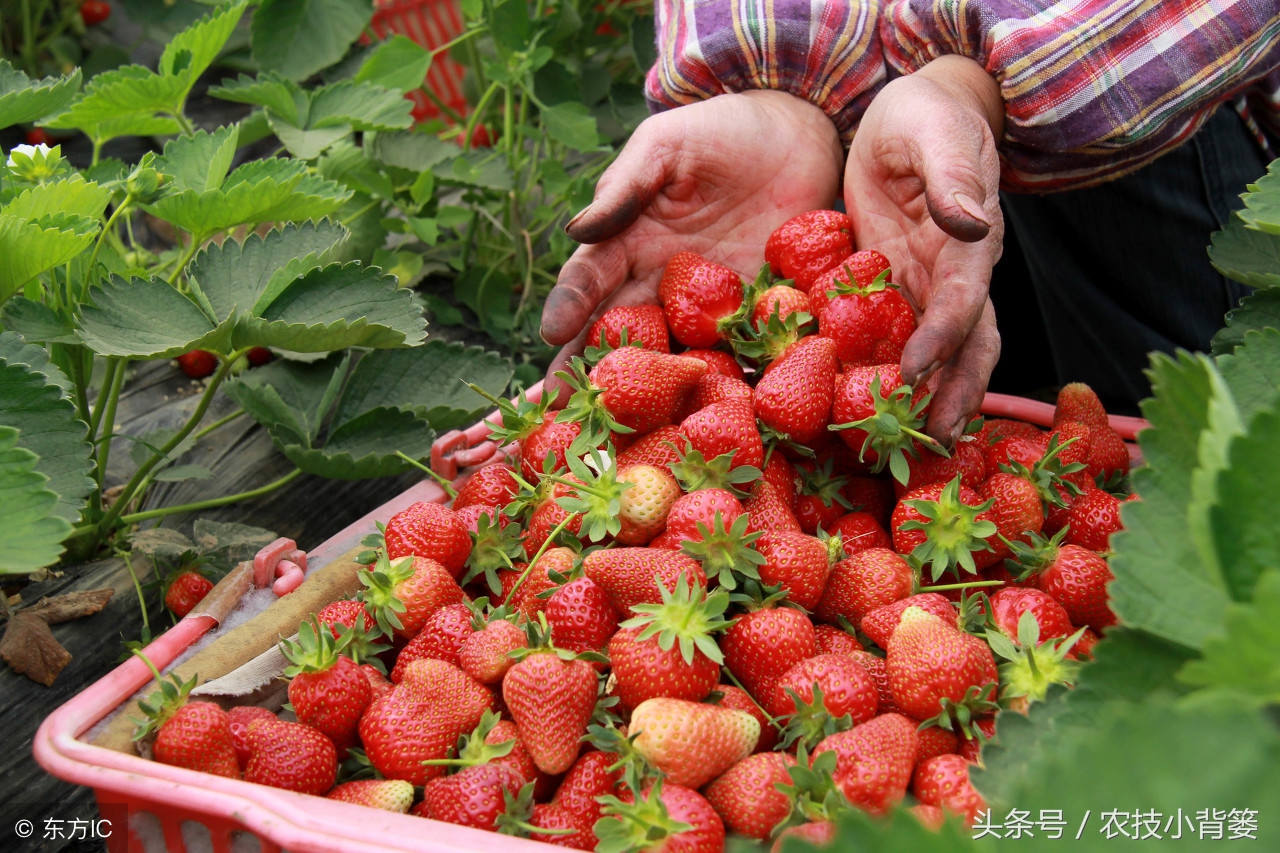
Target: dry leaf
x=31 y=649
x=73 y=605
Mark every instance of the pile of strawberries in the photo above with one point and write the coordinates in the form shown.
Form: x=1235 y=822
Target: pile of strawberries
x=730 y=589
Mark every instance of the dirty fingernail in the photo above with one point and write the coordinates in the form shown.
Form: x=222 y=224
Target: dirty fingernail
x=970 y=206
x=923 y=375
x=577 y=218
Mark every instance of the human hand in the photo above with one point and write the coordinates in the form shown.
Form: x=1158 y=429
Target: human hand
x=922 y=187
x=716 y=178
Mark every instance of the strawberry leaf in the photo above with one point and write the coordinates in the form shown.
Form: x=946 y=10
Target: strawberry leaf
x=1262 y=203
x=1252 y=372
x=1260 y=310
x=23 y=99
x=397 y=63
x=899 y=832
x=32 y=535
x=1245 y=535
x=147 y=318
x=31 y=247
x=1242 y=666
x=297 y=39
x=1246 y=254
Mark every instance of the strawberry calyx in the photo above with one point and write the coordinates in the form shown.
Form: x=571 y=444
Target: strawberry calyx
x=519 y=419
x=539 y=643
x=695 y=472
x=811 y=721
x=472 y=750
x=732 y=324
x=642 y=824
x=852 y=288
x=819 y=482
x=315 y=650
x=380 y=583
x=1048 y=473
x=687 y=615
x=952 y=529
x=493 y=546
x=636 y=769
x=959 y=717
x=597 y=493
x=586 y=409
x=893 y=431
x=726 y=554
x=592 y=355
x=756 y=595
x=162 y=704
x=1035 y=555
x=812 y=790
x=1032 y=667
x=517 y=811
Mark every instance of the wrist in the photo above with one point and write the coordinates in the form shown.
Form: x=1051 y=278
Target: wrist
x=969 y=83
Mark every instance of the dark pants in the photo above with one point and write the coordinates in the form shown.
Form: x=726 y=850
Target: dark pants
x=1120 y=269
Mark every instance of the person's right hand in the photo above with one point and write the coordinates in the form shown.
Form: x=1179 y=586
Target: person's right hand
x=715 y=178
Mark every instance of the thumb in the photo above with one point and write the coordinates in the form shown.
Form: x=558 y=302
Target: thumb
x=627 y=187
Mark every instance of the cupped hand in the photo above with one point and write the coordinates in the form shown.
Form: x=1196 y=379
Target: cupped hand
x=714 y=177
x=922 y=187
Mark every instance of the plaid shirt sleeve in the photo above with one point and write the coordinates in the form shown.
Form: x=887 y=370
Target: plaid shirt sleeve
x=1096 y=88
x=827 y=53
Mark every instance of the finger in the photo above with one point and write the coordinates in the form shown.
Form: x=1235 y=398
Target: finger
x=963 y=382
x=956 y=158
x=952 y=304
x=628 y=186
x=590 y=276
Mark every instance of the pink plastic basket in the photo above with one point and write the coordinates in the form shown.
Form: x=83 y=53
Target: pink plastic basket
x=222 y=808
x=432 y=24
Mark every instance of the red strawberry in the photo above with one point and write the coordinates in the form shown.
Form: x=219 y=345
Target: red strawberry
x=551 y=701
x=872 y=495
x=820 y=500
x=1076 y=577
x=746 y=795
x=241 y=717
x=845 y=685
x=1008 y=605
x=717 y=362
x=493 y=485
x=767 y=510
x=933 y=666
x=739 y=699
x=1108 y=455
x=797 y=562
x=697 y=296
x=794 y=395
x=835 y=641
x=862 y=268
x=1093 y=517
x=197 y=736
x=567 y=829
x=589 y=779
x=1016 y=510
x=879 y=417
x=859 y=531
x=326 y=688
x=807 y=245
x=548 y=439
x=726 y=427
x=429 y=530
x=1024 y=451
x=346 y=612
x=580 y=616
x=641 y=324
x=393 y=795
x=869 y=323
x=874 y=761
x=656 y=448
x=717 y=388
x=633 y=575
x=818 y=833
x=437 y=682
x=291 y=756
x=971 y=747
x=780 y=474
x=935 y=741
x=692 y=742
x=630 y=389
x=943 y=781
x=862 y=582
x=474 y=796
x=528 y=599
x=400 y=732
x=484 y=654
x=1078 y=402
x=764 y=643
x=968 y=459
x=441 y=636
x=198 y=363
x=666 y=817
x=185 y=591
x=880 y=623
x=947 y=528
x=547 y=515
x=780 y=299
x=875 y=668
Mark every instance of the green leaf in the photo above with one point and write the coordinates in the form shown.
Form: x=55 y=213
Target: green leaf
x=36 y=322
x=31 y=537
x=190 y=53
x=1252 y=372
x=297 y=38
x=898 y=832
x=1223 y=426
x=366 y=447
x=1245 y=533
x=180 y=473
x=398 y=63
x=1259 y=310
x=48 y=427
x=1249 y=256
x=511 y=25
x=428 y=380
x=363 y=106
x=289 y=398
x=279 y=95
x=1242 y=666
x=72 y=195
x=573 y=125
x=307 y=144
x=479 y=169
x=29 y=248
x=312 y=198
x=128 y=101
x=644 y=41
x=336 y=307
x=199 y=162
x=15 y=350
x=23 y=99
x=238 y=275
x=146 y=318
x=1161 y=584
x=1262 y=202
x=416 y=152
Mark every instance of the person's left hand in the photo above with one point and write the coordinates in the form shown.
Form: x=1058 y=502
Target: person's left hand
x=921 y=186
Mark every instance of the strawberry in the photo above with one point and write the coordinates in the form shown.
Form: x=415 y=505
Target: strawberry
x=933 y=741
x=393 y=795
x=429 y=530
x=820 y=499
x=1072 y=439
x=794 y=395
x=984 y=729
x=484 y=654
x=692 y=743
x=875 y=668
x=347 y=612
x=474 y=796
x=1016 y=511
x=797 y=562
x=947 y=528
x=630 y=390
x=400 y=732
x=666 y=817
x=198 y=363
x=861 y=268
x=197 y=736
x=874 y=761
x=1093 y=517
x=869 y=323
x=997 y=429
x=872 y=495
x=739 y=699
x=767 y=510
x=859 y=531
x=717 y=362
x=1078 y=402
x=326 y=688
x=543 y=448
x=642 y=325
x=746 y=795
x=1008 y=605
x=726 y=427
x=835 y=641
x=240 y=718
x=436 y=682
x=668 y=649
x=862 y=582
x=540 y=578
x=548 y=514
x=698 y=297
x=633 y=575
x=185 y=591
x=936 y=670
x=880 y=623
x=943 y=781
x=807 y=245
x=292 y=756
x=441 y=636
x=780 y=474
x=818 y=691
x=642 y=509
x=1024 y=451
x=259 y=356
x=818 y=833
x=1108 y=455
x=493 y=485
x=551 y=701
x=716 y=388
x=655 y=448
x=880 y=417
x=589 y=779
x=780 y=300
x=563 y=827
x=968 y=459
x=931 y=818
x=1030 y=666
x=580 y=617
x=765 y=642
x=1076 y=577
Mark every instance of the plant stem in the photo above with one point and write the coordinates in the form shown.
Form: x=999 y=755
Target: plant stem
x=551 y=537
x=445 y=484
x=106 y=229
x=219 y=423
x=442 y=106
x=184 y=123
x=481 y=106
x=184 y=259
x=126 y=495
x=361 y=212
x=970 y=585
x=161 y=512
x=108 y=379
x=142 y=599
x=449 y=45
x=109 y=420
